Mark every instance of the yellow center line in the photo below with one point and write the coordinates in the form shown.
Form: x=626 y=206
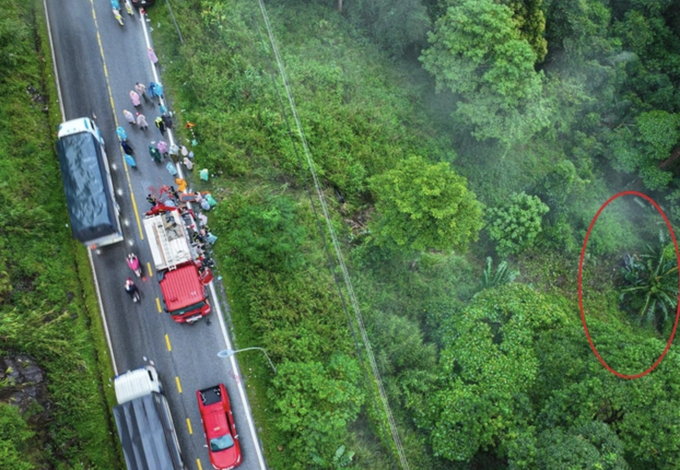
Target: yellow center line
x=158 y=305
x=179 y=386
x=191 y=431
x=148 y=269
x=115 y=120
x=198 y=462
x=167 y=342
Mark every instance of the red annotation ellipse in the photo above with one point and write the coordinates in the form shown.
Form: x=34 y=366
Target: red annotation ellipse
x=580 y=285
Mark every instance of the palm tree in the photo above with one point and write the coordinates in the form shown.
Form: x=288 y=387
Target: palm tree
x=652 y=283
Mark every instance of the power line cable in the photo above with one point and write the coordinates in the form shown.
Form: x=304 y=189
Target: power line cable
x=322 y=234
x=336 y=245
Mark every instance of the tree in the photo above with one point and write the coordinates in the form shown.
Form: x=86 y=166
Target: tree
x=651 y=283
x=531 y=23
x=591 y=446
x=486 y=369
x=646 y=146
x=396 y=25
x=580 y=28
x=516 y=224
x=505 y=388
x=477 y=53
x=316 y=403
x=424 y=206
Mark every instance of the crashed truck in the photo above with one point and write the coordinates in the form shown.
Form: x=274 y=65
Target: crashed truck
x=92 y=207
x=181 y=278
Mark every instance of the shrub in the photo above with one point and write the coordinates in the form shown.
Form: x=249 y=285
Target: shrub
x=264 y=232
x=316 y=403
x=425 y=206
x=516 y=224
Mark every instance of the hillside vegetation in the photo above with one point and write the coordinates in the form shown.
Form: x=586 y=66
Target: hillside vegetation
x=464 y=147
x=498 y=133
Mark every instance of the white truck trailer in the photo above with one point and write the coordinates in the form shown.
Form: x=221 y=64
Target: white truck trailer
x=145 y=427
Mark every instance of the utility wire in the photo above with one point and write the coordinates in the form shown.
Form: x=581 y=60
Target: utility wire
x=336 y=245
x=322 y=234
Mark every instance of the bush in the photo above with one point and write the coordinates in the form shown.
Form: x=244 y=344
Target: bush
x=263 y=231
x=316 y=403
x=516 y=224
x=15 y=437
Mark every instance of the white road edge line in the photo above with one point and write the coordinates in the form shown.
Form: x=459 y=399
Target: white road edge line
x=89 y=252
x=216 y=305
x=239 y=383
x=54 y=61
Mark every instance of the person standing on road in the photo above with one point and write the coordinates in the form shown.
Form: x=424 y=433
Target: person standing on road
x=134 y=97
x=167 y=119
x=155 y=154
x=162 y=147
x=129 y=159
x=127 y=148
x=152 y=56
x=158 y=89
x=129 y=117
x=131 y=289
x=160 y=125
x=141 y=91
x=152 y=200
x=122 y=135
x=141 y=121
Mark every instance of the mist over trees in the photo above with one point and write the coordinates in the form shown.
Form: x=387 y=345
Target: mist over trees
x=555 y=106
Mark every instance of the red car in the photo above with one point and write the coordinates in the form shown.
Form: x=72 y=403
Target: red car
x=219 y=427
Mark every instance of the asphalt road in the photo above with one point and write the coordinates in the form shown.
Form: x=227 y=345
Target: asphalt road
x=98 y=63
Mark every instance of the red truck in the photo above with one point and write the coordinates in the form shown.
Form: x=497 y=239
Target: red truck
x=177 y=265
x=224 y=448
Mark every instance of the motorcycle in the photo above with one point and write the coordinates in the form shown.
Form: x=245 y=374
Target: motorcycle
x=134 y=264
x=132 y=290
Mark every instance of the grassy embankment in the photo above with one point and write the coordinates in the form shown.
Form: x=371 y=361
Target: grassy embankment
x=48 y=307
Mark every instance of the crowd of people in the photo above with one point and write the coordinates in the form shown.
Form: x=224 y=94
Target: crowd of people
x=169 y=198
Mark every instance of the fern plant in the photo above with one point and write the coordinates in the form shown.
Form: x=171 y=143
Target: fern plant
x=503 y=274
